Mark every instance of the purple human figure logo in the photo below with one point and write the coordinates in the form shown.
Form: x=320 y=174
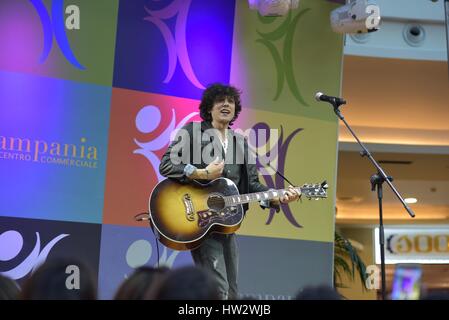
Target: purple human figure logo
x=140 y=252
x=57 y=28
x=11 y=243
x=147 y=120
x=277 y=182
x=176 y=42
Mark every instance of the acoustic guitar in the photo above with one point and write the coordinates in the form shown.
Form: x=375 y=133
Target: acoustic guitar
x=184 y=214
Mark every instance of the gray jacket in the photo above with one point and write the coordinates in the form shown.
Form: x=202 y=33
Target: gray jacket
x=189 y=145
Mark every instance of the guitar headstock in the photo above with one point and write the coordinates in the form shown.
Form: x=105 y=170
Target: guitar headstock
x=315 y=191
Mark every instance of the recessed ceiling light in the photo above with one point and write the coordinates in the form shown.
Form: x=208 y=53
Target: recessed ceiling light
x=411 y=200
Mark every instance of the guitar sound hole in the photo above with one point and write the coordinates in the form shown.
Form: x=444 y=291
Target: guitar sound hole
x=215 y=202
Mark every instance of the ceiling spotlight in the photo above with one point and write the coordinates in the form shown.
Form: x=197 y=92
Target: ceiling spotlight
x=410 y=200
x=273 y=8
x=357 y=16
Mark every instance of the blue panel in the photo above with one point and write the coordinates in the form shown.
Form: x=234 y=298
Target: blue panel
x=53 y=146
x=126 y=248
x=25 y=243
x=292 y=265
x=173 y=47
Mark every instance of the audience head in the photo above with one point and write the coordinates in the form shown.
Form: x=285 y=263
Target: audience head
x=60 y=279
x=436 y=295
x=140 y=282
x=9 y=290
x=186 y=283
x=321 y=292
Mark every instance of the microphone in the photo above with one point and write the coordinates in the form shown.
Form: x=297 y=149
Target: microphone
x=319 y=96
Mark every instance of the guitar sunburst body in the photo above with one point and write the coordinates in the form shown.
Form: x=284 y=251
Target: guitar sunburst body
x=185 y=213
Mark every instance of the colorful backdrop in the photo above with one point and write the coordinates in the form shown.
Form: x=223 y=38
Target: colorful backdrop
x=89 y=94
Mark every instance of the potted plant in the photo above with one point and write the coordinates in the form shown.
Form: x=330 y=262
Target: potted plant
x=347 y=261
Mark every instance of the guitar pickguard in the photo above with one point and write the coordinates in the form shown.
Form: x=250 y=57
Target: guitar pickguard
x=207 y=217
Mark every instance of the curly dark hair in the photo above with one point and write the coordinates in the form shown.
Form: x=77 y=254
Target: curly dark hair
x=217 y=91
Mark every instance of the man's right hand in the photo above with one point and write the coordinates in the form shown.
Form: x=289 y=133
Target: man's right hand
x=214 y=169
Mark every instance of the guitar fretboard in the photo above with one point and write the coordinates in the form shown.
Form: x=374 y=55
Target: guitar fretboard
x=256 y=196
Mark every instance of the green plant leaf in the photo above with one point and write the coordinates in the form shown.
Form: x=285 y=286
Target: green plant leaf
x=347 y=261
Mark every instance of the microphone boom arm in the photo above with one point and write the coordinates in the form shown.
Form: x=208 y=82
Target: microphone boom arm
x=376 y=180
x=366 y=153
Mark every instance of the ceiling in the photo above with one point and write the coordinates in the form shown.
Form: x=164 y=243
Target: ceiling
x=396 y=101
x=421 y=176
x=400 y=108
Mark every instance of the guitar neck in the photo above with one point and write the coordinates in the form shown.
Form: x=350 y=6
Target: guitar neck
x=256 y=196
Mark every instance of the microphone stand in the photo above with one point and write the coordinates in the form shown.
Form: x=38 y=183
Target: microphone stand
x=376 y=181
x=446 y=18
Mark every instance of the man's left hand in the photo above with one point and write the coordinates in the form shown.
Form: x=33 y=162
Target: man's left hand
x=291 y=194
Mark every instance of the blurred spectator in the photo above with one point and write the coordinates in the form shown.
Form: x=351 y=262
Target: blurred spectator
x=187 y=283
x=140 y=282
x=61 y=280
x=9 y=290
x=321 y=292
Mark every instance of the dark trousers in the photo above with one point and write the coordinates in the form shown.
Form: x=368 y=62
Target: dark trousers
x=219 y=255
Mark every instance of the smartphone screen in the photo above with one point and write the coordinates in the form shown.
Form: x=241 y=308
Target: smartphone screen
x=406 y=282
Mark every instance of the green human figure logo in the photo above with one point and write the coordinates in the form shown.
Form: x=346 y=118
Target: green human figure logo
x=283 y=60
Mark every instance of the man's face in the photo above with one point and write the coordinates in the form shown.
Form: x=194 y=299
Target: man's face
x=223 y=109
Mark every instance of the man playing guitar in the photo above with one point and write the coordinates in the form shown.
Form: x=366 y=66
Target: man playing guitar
x=219 y=108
